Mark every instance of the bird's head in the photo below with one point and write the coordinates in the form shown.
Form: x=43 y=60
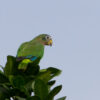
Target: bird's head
x=45 y=39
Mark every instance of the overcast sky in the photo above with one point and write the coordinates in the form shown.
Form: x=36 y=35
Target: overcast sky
x=75 y=28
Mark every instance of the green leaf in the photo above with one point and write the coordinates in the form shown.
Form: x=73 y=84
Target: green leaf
x=40 y=89
x=54 y=71
x=3 y=89
x=18 y=92
x=48 y=74
x=54 y=92
x=11 y=66
x=7 y=99
x=2 y=68
x=4 y=93
x=3 y=78
x=32 y=69
x=51 y=82
x=19 y=98
x=17 y=81
x=33 y=98
x=45 y=76
x=28 y=85
x=3 y=96
x=62 y=98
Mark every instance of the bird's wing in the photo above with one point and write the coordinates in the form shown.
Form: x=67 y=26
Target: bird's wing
x=32 y=58
x=19 y=57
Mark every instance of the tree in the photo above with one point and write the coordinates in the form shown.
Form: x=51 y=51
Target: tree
x=30 y=84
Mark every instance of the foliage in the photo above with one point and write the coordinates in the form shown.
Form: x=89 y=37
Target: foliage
x=21 y=84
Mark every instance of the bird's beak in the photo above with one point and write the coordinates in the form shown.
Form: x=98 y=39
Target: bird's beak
x=50 y=42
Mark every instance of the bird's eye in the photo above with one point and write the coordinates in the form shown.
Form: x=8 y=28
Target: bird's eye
x=47 y=37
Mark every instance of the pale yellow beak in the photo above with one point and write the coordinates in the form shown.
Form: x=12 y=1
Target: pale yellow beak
x=50 y=42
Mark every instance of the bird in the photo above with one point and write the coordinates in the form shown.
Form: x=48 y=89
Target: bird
x=32 y=50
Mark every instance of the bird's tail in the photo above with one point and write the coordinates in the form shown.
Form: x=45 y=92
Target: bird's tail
x=23 y=65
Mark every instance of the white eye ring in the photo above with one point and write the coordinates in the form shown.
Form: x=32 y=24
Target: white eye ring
x=47 y=37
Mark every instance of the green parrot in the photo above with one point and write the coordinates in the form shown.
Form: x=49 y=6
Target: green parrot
x=31 y=50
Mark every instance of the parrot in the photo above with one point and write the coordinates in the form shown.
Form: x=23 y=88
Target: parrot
x=32 y=50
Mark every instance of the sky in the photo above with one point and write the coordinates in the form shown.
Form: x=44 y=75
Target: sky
x=75 y=28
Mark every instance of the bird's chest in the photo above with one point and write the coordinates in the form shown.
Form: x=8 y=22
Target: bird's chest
x=37 y=50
